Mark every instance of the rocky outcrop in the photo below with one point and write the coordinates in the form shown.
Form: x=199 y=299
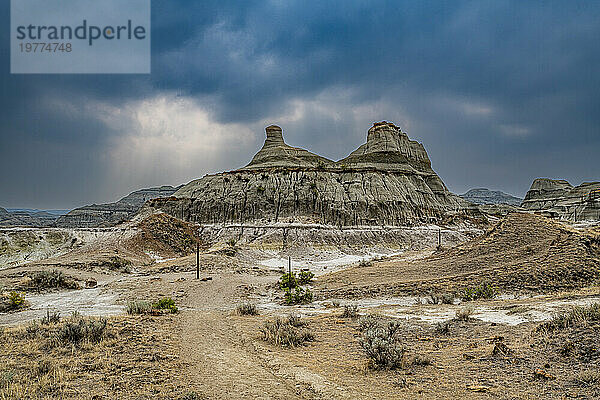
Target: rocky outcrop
x=557 y=198
x=486 y=196
x=104 y=215
x=544 y=193
x=276 y=153
x=387 y=181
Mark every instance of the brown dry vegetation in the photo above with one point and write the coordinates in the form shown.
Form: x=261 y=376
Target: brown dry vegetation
x=137 y=358
x=523 y=252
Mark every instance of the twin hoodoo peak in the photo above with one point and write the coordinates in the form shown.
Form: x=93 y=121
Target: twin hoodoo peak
x=386 y=181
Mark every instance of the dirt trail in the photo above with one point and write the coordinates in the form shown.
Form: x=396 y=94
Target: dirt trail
x=222 y=361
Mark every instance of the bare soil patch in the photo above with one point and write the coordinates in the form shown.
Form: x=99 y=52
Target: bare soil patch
x=522 y=253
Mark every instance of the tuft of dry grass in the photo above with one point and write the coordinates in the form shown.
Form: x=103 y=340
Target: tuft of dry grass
x=286 y=332
x=464 y=314
x=135 y=307
x=246 y=309
x=577 y=315
x=350 y=311
x=588 y=378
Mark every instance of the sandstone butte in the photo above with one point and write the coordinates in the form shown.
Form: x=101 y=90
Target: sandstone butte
x=386 y=181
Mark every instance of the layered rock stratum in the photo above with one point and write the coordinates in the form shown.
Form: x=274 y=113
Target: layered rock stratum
x=558 y=198
x=486 y=196
x=386 y=181
x=27 y=218
x=110 y=214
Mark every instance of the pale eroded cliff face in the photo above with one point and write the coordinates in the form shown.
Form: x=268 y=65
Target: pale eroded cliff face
x=544 y=193
x=387 y=181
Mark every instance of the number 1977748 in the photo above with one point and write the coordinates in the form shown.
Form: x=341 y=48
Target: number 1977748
x=45 y=47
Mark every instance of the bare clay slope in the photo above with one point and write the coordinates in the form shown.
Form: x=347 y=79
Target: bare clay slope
x=523 y=252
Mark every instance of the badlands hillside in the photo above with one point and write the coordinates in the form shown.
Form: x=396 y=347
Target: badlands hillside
x=386 y=181
x=558 y=198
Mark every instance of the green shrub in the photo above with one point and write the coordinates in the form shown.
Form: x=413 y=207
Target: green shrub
x=288 y=281
x=167 y=304
x=16 y=300
x=305 y=277
x=483 y=291
x=288 y=332
x=135 y=307
x=298 y=296
x=382 y=343
x=246 y=309
x=291 y=280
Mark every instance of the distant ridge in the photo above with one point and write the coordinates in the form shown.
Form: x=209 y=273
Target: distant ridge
x=104 y=215
x=486 y=196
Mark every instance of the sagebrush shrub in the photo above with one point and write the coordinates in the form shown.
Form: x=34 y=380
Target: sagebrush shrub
x=54 y=279
x=79 y=330
x=464 y=314
x=382 y=343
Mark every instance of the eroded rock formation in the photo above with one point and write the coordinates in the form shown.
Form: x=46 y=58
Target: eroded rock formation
x=544 y=193
x=558 y=198
x=387 y=181
x=103 y=215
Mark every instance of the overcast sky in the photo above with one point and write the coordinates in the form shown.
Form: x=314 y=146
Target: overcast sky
x=499 y=93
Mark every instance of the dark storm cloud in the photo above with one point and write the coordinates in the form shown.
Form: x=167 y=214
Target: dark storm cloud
x=498 y=92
